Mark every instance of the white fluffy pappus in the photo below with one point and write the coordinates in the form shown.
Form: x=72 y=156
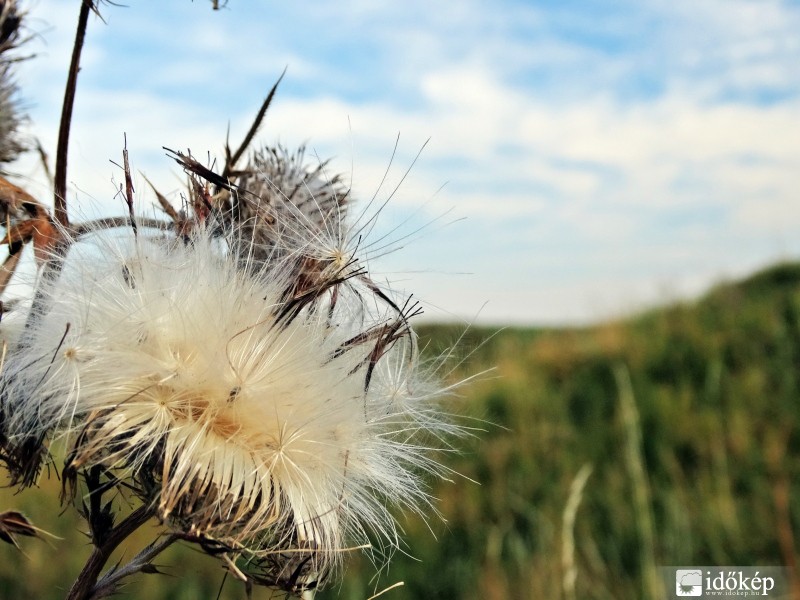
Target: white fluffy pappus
x=279 y=426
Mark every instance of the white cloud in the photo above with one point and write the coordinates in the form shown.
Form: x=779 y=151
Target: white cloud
x=577 y=184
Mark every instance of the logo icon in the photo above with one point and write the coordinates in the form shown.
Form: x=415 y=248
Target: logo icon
x=688 y=582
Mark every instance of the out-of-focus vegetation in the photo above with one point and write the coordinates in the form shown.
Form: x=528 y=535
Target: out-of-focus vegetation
x=689 y=417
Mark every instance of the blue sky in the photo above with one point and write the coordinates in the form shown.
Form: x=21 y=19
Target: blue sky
x=596 y=157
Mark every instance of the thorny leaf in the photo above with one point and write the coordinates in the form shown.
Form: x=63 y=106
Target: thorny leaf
x=101 y=521
x=151 y=569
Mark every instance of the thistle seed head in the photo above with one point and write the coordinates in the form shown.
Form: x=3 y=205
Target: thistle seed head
x=247 y=380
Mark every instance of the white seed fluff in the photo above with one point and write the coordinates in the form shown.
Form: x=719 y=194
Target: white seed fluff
x=174 y=366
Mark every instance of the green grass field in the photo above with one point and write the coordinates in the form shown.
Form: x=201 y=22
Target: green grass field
x=688 y=417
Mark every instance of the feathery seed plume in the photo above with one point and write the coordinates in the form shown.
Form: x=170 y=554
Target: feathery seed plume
x=248 y=379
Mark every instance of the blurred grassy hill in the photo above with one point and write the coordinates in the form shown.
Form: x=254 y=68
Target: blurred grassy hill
x=716 y=384
x=688 y=417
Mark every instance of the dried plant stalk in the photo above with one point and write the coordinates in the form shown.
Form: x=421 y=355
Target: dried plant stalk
x=568 y=565
x=652 y=587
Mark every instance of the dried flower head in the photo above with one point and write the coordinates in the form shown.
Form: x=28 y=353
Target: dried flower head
x=249 y=380
x=284 y=204
x=10 y=22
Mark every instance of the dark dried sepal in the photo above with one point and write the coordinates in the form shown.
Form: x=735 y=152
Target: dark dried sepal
x=14 y=523
x=292 y=572
x=23 y=459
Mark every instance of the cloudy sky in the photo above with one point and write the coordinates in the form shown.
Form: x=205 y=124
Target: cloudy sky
x=585 y=158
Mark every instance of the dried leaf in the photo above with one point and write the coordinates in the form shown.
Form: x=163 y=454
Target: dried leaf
x=13 y=200
x=26 y=219
x=45 y=238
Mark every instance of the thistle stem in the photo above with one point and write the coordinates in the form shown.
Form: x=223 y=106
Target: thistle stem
x=52 y=268
x=108 y=582
x=60 y=184
x=81 y=229
x=84 y=586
